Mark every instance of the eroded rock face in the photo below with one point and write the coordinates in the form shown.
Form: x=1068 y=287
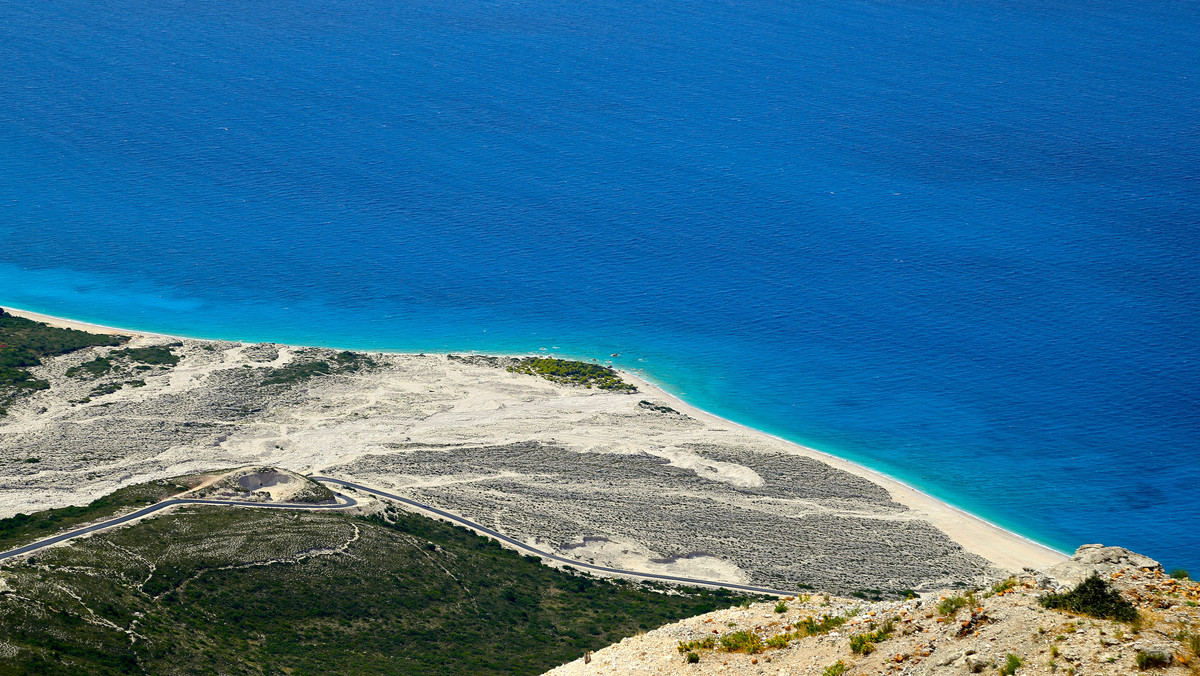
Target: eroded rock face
x=262 y=479
x=1089 y=559
x=265 y=484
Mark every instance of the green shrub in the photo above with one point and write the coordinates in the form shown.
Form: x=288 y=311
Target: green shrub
x=692 y=658
x=808 y=627
x=742 y=642
x=158 y=355
x=1011 y=664
x=864 y=644
x=781 y=607
x=778 y=641
x=1004 y=585
x=1180 y=574
x=860 y=644
x=23 y=342
x=812 y=627
x=1093 y=597
x=572 y=373
x=297 y=372
x=836 y=669
x=700 y=644
x=19 y=379
x=951 y=605
x=92 y=369
x=1147 y=660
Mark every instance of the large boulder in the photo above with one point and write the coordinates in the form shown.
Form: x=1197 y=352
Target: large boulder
x=1090 y=559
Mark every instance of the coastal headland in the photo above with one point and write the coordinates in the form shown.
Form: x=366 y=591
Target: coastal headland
x=637 y=480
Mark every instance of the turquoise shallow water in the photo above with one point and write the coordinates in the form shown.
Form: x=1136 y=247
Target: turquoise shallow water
x=955 y=242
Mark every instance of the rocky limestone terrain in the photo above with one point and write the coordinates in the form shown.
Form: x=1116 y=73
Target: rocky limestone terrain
x=604 y=477
x=999 y=629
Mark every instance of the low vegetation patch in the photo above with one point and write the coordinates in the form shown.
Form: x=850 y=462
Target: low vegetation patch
x=1093 y=597
x=481 y=360
x=657 y=408
x=864 y=644
x=1011 y=664
x=706 y=643
x=25 y=343
x=836 y=669
x=807 y=627
x=1151 y=660
x=778 y=641
x=109 y=388
x=814 y=627
x=301 y=371
x=1004 y=585
x=742 y=642
x=751 y=642
x=155 y=355
x=313 y=493
x=951 y=605
x=91 y=369
x=570 y=372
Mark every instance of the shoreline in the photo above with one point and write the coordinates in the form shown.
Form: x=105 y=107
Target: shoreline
x=1003 y=548
x=997 y=544
x=64 y=323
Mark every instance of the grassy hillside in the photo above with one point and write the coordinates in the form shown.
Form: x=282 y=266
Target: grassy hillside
x=240 y=591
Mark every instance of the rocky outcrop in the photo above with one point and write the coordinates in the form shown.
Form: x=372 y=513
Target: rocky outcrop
x=265 y=484
x=997 y=629
x=1105 y=561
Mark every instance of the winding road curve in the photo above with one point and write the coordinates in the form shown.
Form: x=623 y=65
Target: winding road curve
x=546 y=555
x=34 y=546
x=346 y=501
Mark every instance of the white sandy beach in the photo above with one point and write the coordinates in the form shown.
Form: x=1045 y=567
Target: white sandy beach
x=64 y=323
x=448 y=403
x=1002 y=547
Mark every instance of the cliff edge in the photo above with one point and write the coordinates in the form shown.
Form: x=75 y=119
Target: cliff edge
x=1040 y=622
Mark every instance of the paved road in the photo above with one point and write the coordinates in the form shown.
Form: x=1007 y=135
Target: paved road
x=547 y=555
x=344 y=501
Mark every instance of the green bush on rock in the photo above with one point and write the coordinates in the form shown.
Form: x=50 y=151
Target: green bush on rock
x=569 y=372
x=1093 y=597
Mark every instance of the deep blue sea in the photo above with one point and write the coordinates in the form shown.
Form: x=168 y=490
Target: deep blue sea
x=958 y=242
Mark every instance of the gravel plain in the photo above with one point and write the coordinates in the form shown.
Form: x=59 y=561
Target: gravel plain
x=597 y=476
